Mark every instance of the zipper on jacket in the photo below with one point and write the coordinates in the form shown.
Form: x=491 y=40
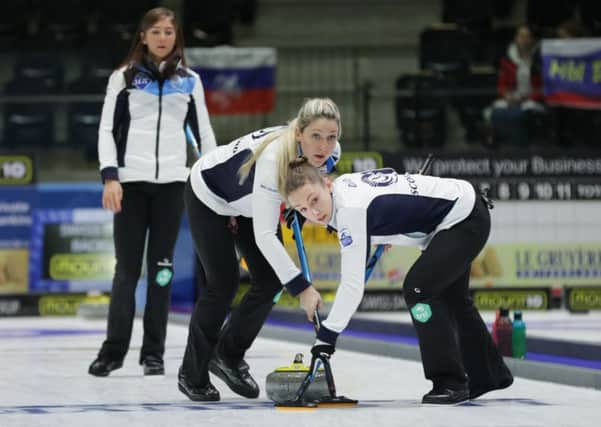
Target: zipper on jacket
x=156 y=173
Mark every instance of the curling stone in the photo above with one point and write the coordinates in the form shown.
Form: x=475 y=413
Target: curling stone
x=282 y=384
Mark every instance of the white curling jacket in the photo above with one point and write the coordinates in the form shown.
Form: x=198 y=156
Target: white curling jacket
x=141 y=136
x=384 y=207
x=215 y=181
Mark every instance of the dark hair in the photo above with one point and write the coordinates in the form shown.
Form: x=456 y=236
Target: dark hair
x=138 y=49
x=301 y=172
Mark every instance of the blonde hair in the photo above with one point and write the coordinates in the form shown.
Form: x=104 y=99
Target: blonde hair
x=299 y=173
x=312 y=109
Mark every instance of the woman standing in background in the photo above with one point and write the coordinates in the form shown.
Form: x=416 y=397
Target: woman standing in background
x=142 y=150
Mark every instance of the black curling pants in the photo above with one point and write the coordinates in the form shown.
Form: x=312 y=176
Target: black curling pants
x=216 y=247
x=154 y=210
x=456 y=348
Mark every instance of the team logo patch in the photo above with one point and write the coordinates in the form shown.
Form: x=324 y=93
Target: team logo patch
x=163 y=277
x=380 y=177
x=345 y=237
x=141 y=81
x=421 y=312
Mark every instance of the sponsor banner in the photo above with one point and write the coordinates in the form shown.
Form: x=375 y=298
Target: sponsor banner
x=55 y=304
x=14 y=267
x=17 y=169
x=19 y=305
x=16 y=204
x=382 y=300
x=236 y=80
x=541 y=264
x=515 y=299
x=583 y=298
x=572 y=72
x=498 y=265
x=71 y=250
x=550 y=176
x=60 y=304
x=585 y=164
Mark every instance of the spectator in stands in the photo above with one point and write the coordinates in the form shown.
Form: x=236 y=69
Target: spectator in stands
x=519 y=85
x=142 y=150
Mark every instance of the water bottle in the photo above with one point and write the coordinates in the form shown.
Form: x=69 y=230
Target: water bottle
x=518 y=336
x=504 y=333
x=495 y=326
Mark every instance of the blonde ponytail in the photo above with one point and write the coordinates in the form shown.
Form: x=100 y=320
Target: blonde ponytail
x=248 y=164
x=312 y=109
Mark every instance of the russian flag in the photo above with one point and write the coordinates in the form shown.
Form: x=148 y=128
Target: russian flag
x=236 y=80
x=572 y=72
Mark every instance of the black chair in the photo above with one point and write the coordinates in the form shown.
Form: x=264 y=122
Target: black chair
x=64 y=23
x=576 y=128
x=496 y=43
x=209 y=23
x=473 y=14
x=114 y=21
x=32 y=124
x=83 y=121
x=28 y=125
x=590 y=11
x=36 y=73
x=480 y=91
x=547 y=15
x=83 y=118
x=13 y=24
x=96 y=68
x=446 y=50
x=420 y=110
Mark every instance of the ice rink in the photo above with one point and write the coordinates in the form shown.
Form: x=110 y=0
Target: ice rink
x=44 y=382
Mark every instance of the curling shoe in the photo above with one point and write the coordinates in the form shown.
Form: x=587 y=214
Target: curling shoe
x=207 y=393
x=446 y=396
x=476 y=392
x=101 y=367
x=237 y=377
x=153 y=365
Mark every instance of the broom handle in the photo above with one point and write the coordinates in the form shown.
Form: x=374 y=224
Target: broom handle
x=300 y=247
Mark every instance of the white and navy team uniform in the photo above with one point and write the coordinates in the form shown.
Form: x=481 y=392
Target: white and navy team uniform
x=214 y=194
x=142 y=144
x=142 y=128
x=449 y=221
